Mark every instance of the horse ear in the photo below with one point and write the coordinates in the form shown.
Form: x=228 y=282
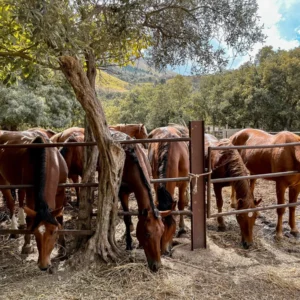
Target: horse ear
x=257 y=202
x=29 y=212
x=57 y=212
x=165 y=213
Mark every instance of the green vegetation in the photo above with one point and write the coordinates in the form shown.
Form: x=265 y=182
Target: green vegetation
x=264 y=94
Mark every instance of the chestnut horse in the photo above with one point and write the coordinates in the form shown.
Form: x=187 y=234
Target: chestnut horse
x=270 y=160
x=45 y=168
x=137 y=131
x=136 y=179
x=167 y=160
x=49 y=133
x=72 y=155
x=228 y=163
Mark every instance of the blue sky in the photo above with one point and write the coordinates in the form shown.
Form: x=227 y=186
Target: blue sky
x=281 y=19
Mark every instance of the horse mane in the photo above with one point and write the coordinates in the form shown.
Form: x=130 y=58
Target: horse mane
x=65 y=149
x=162 y=192
x=38 y=158
x=130 y=149
x=234 y=166
x=132 y=153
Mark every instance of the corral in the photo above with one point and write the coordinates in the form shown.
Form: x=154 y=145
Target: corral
x=224 y=270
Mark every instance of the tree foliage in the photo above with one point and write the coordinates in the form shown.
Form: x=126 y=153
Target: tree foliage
x=264 y=94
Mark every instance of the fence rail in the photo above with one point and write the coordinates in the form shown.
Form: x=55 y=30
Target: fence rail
x=196 y=127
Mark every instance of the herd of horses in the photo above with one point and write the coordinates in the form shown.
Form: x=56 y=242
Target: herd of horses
x=47 y=167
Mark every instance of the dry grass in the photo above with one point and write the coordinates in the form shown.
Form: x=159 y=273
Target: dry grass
x=269 y=270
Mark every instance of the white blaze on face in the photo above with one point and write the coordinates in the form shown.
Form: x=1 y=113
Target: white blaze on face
x=250 y=214
x=14 y=222
x=22 y=216
x=42 y=229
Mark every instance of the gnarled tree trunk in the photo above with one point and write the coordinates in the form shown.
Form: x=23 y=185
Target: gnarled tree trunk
x=110 y=167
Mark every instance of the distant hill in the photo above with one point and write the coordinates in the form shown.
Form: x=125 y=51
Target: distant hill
x=110 y=84
x=139 y=72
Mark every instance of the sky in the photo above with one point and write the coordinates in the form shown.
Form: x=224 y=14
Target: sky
x=281 y=19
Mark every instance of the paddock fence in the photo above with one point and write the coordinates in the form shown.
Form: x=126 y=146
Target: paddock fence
x=196 y=179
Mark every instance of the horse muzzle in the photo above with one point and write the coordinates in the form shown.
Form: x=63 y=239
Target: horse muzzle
x=154 y=265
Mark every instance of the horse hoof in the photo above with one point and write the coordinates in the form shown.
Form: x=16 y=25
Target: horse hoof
x=129 y=248
x=295 y=234
x=180 y=232
x=27 y=250
x=13 y=236
x=222 y=228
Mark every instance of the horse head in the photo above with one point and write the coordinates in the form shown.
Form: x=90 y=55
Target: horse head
x=45 y=230
x=247 y=221
x=149 y=232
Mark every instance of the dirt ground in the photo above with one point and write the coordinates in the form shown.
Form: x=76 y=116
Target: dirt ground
x=270 y=269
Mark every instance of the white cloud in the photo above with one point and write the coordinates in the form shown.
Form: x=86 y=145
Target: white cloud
x=269 y=11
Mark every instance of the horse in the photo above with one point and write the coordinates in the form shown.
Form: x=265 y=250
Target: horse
x=167 y=160
x=45 y=168
x=136 y=179
x=48 y=132
x=270 y=160
x=228 y=163
x=137 y=131
x=72 y=155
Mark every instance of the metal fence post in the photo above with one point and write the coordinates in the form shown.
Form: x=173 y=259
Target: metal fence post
x=196 y=129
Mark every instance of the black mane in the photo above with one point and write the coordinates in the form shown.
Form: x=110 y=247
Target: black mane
x=38 y=159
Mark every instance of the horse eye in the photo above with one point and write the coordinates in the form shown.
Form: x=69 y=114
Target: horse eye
x=148 y=234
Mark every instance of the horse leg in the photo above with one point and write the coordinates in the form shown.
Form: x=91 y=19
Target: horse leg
x=27 y=247
x=280 y=190
x=182 y=201
x=293 y=195
x=219 y=200
x=10 y=202
x=21 y=213
x=233 y=203
x=75 y=179
x=127 y=220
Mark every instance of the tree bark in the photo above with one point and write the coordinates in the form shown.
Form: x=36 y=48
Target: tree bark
x=89 y=166
x=110 y=167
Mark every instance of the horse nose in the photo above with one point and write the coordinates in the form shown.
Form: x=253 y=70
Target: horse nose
x=44 y=268
x=246 y=245
x=154 y=266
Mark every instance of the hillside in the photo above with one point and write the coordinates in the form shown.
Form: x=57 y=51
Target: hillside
x=110 y=84
x=140 y=72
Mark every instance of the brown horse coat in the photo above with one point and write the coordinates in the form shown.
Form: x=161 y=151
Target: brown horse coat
x=270 y=160
x=228 y=163
x=169 y=159
x=45 y=169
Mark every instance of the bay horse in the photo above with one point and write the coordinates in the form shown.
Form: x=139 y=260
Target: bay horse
x=136 y=179
x=137 y=131
x=270 y=160
x=72 y=155
x=45 y=168
x=167 y=160
x=228 y=163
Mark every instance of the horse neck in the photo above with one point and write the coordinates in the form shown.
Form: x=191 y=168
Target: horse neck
x=236 y=168
x=139 y=184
